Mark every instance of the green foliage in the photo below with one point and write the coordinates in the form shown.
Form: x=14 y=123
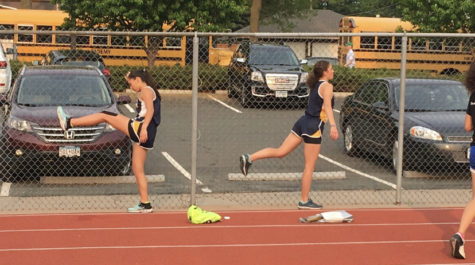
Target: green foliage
x=367 y=8
x=440 y=15
x=149 y=15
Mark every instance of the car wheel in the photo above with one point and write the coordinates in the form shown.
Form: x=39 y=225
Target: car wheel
x=231 y=92
x=348 y=141
x=125 y=169
x=245 y=97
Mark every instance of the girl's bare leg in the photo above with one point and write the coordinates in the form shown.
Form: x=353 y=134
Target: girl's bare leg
x=311 y=152
x=287 y=146
x=119 y=122
x=139 y=155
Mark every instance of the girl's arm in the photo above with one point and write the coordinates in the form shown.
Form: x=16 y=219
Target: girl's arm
x=147 y=97
x=468 y=123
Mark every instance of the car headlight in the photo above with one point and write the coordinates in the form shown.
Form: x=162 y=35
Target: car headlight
x=424 y=133
x=257 y=76
x=303 y=77
x=19 y=124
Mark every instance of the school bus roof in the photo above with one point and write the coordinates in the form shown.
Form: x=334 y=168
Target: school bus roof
x=377 y=24
x=31 y=16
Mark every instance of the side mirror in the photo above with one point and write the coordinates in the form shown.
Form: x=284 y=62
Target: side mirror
x=304 y=61
x=124 y=99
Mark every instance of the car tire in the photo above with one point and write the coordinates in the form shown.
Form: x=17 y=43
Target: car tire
x=349 y=141
x=246 y=97
x=231 y=92
x=125 y=169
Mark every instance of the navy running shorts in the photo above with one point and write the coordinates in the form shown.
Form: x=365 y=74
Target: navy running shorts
x=134 y=133
x=472 y=159
x=309 y=128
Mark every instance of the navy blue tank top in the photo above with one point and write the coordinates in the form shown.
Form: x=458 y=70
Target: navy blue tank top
x=141 y=110
x=315 y=103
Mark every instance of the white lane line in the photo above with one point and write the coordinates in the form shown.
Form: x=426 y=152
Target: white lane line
x=129 y=108
x=303 y=244
x=98 y=180
x=358 y=172
x=5 y=191
x=224 y=104
x=302 y=226
x=184 y=172
x=286 y=176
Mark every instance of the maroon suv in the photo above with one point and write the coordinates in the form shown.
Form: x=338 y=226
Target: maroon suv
x=32 y=142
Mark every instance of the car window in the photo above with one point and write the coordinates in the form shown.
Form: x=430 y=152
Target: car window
x=272 y=56
x=45 y=90
x=366 y=93
x=433 y=96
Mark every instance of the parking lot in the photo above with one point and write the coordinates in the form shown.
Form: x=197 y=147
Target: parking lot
x=226 y=130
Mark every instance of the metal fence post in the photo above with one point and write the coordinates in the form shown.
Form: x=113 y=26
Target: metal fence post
x=194 y=118
x=400 y=137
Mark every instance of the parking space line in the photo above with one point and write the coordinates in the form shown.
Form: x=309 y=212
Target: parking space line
x=98 y=180
x=286 y=176
x=224 y=104
x=184 y=172
x=5 y=191
x=358 y=172
x=129 y=108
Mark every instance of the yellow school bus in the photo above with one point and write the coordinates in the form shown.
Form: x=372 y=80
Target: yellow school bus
x=440 y=55
x=115 y=49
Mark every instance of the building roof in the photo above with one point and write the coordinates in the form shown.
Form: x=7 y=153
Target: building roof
x=321 y=20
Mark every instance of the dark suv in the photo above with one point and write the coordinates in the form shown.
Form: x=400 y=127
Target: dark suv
x=262 y=71
x=32 y=141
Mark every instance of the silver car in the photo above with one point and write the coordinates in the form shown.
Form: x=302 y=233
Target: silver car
x=5 y=72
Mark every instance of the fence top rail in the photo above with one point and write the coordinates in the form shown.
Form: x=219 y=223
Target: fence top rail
x=243 y=34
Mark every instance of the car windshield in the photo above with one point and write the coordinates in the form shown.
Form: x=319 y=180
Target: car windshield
x=434 y=97
x=63 y=89
x=273 y=56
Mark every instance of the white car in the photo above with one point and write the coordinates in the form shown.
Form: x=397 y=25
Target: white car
x=5 y=72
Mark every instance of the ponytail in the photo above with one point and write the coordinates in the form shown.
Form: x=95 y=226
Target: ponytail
x=317 y=73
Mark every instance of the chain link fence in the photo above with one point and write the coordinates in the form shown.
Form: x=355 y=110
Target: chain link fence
x=224 y=95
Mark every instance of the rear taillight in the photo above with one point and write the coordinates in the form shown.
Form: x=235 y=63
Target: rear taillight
x=3 y=64
x=106 y=72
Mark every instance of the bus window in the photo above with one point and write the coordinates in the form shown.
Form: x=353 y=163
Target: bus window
x=118 y=40
x=367 y=42
x=137 y=41
x=418 y=44
x=44 y=38
x=435 y=44
x=66 y=39
x=385 y=43
x=173 y=42
x=6 y=27
x=99 y=40
x=452 y=45
x=82 y=39
x=25 y=37
x=398 y=43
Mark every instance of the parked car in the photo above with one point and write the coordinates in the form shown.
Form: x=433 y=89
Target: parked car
x=264 y=71
x=5 y=72
x=32 y=140
x=434 y=132
x=77 y=58
x=310 y=61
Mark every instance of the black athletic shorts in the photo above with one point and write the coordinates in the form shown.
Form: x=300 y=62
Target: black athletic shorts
x=134 y=132
x=309 y=128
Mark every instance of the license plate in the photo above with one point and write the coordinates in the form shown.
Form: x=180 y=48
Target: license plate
x=468 y=153
x=280 y=94
x=69 y=151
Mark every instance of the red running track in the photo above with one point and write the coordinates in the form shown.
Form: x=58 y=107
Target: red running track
x=376 y=236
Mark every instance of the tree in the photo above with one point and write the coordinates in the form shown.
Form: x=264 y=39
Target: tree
x=366 y=8
x=440 y=15
x=152 y=15
x=277 y=12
